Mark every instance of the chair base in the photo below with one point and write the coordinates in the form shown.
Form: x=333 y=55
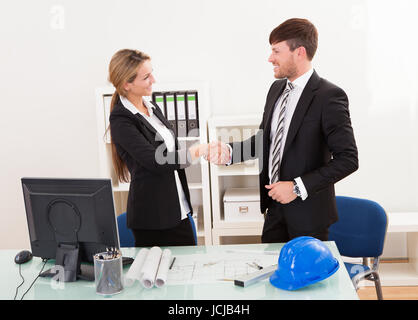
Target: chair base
x=359 y=272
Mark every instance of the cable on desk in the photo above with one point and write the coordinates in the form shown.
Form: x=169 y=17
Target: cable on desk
x=23 y=281
x=33 y=282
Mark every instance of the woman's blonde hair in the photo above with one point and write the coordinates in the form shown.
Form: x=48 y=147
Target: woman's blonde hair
x=123 y=68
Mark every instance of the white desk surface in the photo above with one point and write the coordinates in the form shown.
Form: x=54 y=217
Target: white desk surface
x=338 y=286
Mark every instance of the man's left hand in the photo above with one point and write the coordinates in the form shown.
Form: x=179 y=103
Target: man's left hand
x=282 y=191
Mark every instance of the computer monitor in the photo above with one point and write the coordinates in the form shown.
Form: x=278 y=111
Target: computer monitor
x=70 y=220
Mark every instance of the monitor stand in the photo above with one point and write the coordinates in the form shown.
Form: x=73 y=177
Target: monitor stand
x=68 y=267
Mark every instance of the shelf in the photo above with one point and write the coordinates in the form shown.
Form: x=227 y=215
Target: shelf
x=233 y=128
x=200 y=229
x=197 y=210
x=222 y=224
x=248 y=168
x=195 y=185
x=395 y=274
x=217 y=233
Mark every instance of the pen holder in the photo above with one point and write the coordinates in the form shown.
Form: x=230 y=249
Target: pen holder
x=108 y=272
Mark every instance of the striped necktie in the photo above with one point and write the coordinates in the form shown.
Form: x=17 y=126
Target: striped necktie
x=278 y=137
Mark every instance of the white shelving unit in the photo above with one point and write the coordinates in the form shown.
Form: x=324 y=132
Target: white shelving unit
x=197 y=174
x=229 y=129
x=401 y=273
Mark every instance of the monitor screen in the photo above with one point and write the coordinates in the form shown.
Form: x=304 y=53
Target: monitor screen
x=70 y=213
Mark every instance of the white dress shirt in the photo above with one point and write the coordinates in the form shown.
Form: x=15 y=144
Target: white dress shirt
x=294 y=96
x=169 y=142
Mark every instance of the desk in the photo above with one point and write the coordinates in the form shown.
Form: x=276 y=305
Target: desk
x=338 y=286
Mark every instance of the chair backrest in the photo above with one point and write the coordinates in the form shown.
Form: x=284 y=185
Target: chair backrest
x=193 y=228
x=126 y=237
x=361 y=228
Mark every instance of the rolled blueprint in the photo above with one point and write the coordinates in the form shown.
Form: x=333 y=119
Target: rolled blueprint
x=135 y=271
x=150 y=267
x=161 y=278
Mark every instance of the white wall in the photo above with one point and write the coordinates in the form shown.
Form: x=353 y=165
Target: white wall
x=55 y=53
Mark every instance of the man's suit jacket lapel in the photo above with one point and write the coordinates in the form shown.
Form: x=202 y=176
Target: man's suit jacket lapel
x=301 y=108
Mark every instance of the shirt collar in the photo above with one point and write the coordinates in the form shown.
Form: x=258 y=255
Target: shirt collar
x=303 y=79
x=129 y=105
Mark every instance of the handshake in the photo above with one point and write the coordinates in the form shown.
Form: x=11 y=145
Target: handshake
x=215 y=152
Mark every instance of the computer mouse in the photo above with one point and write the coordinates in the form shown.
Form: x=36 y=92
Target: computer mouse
x=23 y=256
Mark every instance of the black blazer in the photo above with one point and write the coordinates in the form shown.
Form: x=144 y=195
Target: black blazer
x=153 y=201
x=320 y=148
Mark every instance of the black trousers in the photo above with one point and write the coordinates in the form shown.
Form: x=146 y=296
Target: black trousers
x=180 y=235
x=276 y=229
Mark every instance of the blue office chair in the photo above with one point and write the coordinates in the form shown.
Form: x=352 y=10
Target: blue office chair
x=193 y=227
x=126 y=237
x=360 y=232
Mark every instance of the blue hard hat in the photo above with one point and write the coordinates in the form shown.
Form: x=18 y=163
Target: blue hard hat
x=303 y=261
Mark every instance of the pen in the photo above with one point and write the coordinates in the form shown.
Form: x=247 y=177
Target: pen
x=172 y=263
x=258 y=266
x=225 y=279
x=255 y=265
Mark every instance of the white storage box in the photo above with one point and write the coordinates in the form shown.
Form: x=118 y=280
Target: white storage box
x=242 y=204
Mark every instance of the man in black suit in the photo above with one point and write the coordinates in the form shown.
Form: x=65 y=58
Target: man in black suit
x=305 y=143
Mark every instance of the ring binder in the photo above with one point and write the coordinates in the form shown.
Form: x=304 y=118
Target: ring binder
x=192 y=114
x=171 y=111
x=181 y=110
x=158 y=98
x=181 y=114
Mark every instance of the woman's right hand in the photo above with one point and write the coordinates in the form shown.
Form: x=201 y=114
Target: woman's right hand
x=198 y=150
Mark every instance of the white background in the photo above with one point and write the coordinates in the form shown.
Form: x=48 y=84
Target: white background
x=54 y=54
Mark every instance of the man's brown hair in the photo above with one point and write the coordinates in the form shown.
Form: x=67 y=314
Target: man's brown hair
x=297 y=33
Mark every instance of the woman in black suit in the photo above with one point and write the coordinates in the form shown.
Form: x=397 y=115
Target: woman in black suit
x=144 y=148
